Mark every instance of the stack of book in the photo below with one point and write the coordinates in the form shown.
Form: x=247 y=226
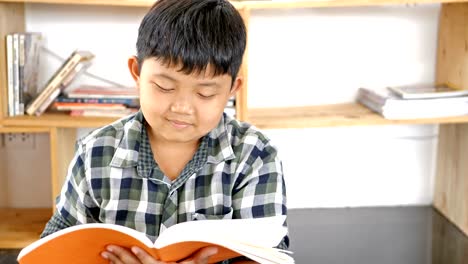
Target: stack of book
x=22 y=50
x=230 y=108
x=414 y=102
x=87 y=100
x=76 y=63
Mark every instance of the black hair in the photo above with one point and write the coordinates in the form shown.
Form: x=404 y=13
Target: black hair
x=193 y=34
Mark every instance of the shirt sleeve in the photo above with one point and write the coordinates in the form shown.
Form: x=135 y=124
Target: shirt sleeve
x=74 y=204
x=56 y=223
x=260 y=189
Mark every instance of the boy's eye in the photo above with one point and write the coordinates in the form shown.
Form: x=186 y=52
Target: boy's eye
x=165 y=90
x=206 y=96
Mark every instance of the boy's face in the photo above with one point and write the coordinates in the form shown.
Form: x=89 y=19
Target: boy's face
x=181 y=108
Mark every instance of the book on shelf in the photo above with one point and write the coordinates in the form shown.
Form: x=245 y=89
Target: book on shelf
x=104 y=112
x=76 y=63
x=253 y=238
x=424 y=91
x=10 y=78
x=109 y=92
x=30 y=49
x=133 y=103
x=391 y=106
x=86 y=106
x=230 y=111
x=23 y=50
x=16 y=81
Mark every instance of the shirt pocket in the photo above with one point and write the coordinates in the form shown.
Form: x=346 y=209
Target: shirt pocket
x=199 y=216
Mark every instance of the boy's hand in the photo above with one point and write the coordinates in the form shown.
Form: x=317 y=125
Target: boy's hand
x=120 y=255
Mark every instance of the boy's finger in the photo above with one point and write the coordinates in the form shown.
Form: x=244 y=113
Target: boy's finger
x=144 y=257
x=202 y=255
x=120 y=255
x=113 y=259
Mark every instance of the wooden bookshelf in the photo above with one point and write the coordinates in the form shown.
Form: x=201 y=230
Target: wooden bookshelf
x=350 y=114
x=246 y=4
x=57 y=120
x=21 y=227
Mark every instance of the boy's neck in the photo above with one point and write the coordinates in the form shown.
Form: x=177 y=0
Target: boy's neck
x=172 y=157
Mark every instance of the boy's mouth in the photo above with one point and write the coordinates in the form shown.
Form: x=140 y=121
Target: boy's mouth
x=179 y=124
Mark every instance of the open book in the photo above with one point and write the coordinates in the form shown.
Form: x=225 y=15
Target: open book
x=253 y=238
x=427 y=91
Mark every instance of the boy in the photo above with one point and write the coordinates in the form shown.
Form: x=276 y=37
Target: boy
x=179 y=158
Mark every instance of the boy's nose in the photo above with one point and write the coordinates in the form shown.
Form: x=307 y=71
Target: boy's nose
x=182 y=107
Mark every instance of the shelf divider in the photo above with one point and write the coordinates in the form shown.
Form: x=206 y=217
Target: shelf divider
x=451 y=183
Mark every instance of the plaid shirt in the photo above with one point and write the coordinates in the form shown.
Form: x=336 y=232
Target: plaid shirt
x=113 y=178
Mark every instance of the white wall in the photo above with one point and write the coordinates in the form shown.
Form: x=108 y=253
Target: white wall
x=25 y=179
x=322 y=56
x=301 y=57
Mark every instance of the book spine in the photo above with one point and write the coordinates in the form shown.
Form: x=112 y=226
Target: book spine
x=16 y=74
x=128 y=102
x=31 y=65
x=11 y=95
x=84 y=106
x=47 y=102
x=96 y=94
x=231 y=111
x=52 y=86
x=21 y=59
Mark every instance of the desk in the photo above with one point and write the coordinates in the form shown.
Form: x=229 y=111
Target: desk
x=383 y=235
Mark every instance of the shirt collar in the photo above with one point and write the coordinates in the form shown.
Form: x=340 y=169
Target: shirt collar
x=127 y=151
x=220 y=148
x=127 y=154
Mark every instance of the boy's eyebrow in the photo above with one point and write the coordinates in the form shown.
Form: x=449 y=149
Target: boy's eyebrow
x=165 y=76
x=213 y=84
x=209 y=84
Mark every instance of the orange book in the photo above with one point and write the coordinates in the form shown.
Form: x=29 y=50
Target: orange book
x=82 y=244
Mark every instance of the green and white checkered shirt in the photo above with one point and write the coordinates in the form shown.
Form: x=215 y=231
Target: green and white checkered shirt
x=113 y=178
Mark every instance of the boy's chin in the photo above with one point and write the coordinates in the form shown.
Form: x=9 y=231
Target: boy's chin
x=177 y=136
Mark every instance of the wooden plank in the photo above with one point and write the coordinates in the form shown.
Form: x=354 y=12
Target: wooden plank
x=241 y=97
x=451 y=184
x=21 y=227
x=62 y=149
x=452 y=52
x=24 y=129
x=337 y=3
x=249 y=4
x=58 y=120
x=349 y=114
x=11 y=20
x=91 y=2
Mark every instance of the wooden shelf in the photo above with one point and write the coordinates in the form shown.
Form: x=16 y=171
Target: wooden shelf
x=24 y=129
x=57 y=120
x=333 y=3
x=350 y=114
x=247 y=4
x=21 y=227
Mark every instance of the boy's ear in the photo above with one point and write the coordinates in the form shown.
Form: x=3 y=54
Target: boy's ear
x=236 y=86
x=133 y=67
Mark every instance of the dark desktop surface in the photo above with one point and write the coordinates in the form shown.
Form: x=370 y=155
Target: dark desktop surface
x=379 y=235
